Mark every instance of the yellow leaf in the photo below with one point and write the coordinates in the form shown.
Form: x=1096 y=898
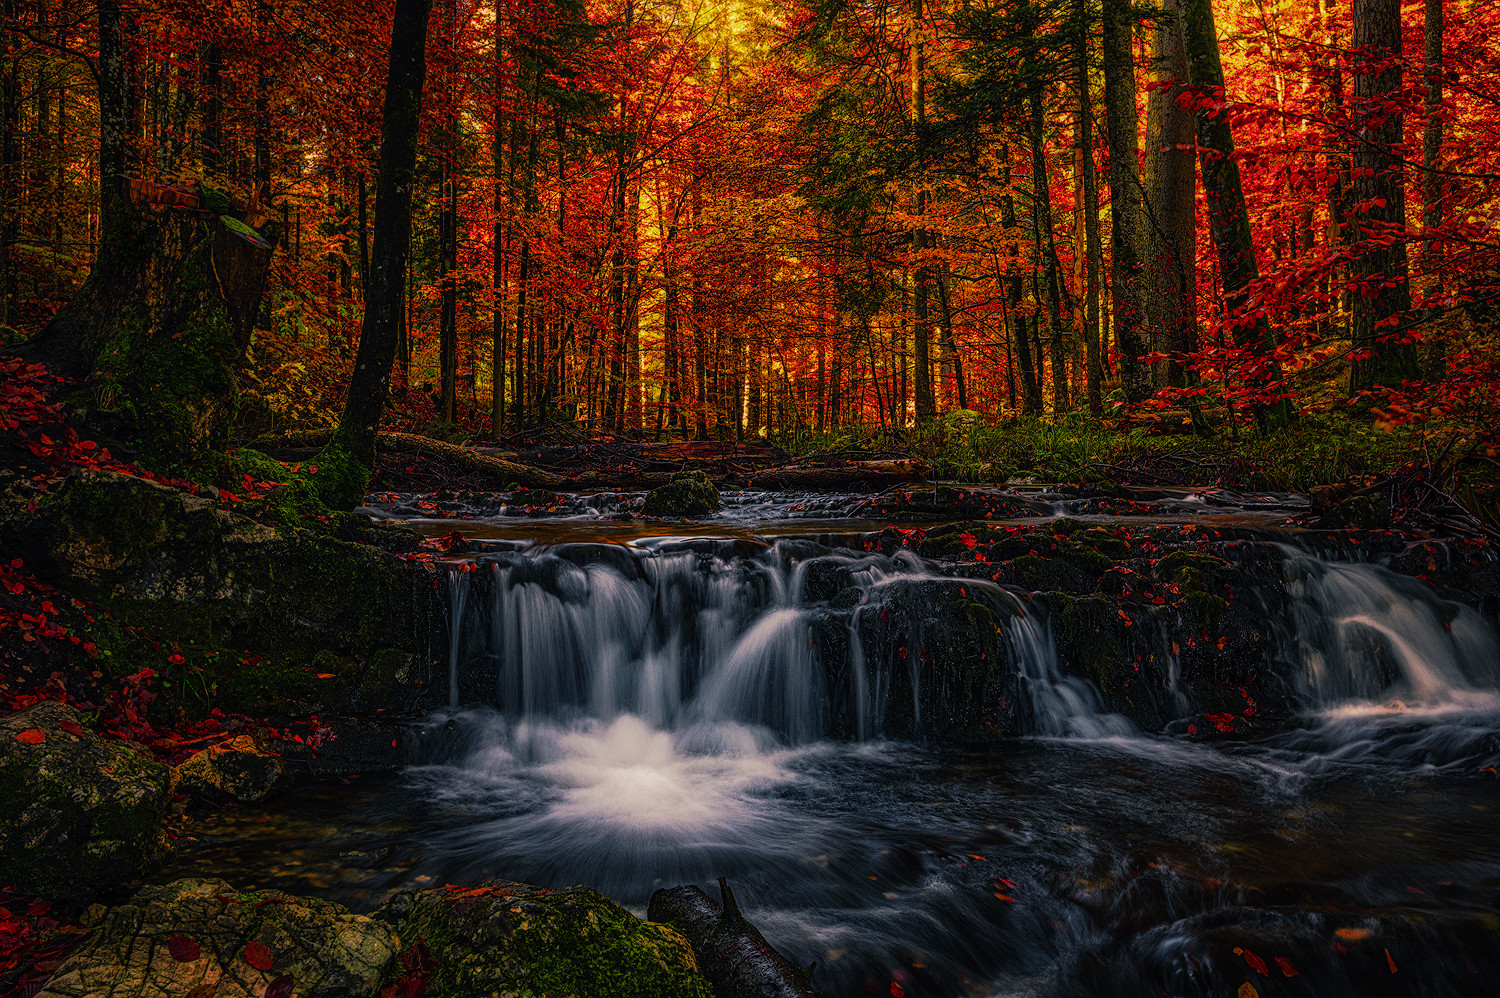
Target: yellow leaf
x=1247 y=990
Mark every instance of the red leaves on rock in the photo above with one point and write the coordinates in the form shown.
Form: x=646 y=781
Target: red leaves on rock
x=183 y=949
x=281 y=987
x=258 y=955
x=32 y=736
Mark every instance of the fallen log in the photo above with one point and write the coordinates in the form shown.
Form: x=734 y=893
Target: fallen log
x=464 y=459
x=731 y=953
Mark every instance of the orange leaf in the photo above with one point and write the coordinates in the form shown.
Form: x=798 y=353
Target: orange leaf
x=32 y=736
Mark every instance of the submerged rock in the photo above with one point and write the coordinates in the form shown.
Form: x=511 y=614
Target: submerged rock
x=689 y=493
x=79 y=815
x=515 y=939
x=203 y=938
x=240 y=769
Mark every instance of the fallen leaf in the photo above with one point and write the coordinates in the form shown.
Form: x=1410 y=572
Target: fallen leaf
x=32 y=736
x=281 y=987
x=1352 y=934
x=258 y=955
x=183 y=949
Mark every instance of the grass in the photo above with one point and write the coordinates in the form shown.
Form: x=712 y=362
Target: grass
x=1315 y=450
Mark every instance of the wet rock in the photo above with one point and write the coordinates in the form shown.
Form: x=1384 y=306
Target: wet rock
x=689 y=493
x=506 y=938
x=79 y=815
x=201 y=937
x=186 y=569
x=241 y=770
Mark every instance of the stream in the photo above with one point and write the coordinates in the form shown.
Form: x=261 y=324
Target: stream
x=637 y=704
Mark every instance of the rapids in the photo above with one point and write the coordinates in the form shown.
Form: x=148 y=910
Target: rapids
x=638 y=710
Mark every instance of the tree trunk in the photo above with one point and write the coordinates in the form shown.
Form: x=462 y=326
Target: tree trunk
x=1172 y=258
x=1228 y=221
x=1125 y=197
x=1382 y=295
x=1435 y=355
x=921 y=275
x=347 y=460
x=1092 y=250
x=164 y=317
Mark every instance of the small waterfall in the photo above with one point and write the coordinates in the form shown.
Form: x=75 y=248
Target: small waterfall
x=458 y=601
x=1365 y=633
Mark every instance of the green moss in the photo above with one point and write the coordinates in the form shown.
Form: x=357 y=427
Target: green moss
x=689 y=493
x=522 y=940
x=1088 y=637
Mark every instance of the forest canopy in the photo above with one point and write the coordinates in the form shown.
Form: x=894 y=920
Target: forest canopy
x=728 y=220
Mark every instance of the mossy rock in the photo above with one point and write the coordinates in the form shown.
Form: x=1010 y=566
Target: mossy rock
x=188 y=570
x=138 y=949
x=240 y=770
x=515 y=939
x=79 y=815
x=689 y=493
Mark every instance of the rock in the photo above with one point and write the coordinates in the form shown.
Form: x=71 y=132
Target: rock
x=240 y=769
x=79 y=815
x=514 y=939
x=201 y=937
x=186 y=569
x=689 y=493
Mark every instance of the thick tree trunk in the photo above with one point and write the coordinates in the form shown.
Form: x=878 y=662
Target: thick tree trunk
x=164 y=317
x=1382 y=295
x=1229 y=223
x=1172 y=257
x=350 y=455
x=1127 y=240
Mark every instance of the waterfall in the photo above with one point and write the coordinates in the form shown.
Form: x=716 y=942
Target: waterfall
x=1363 y=633
x=458 y=599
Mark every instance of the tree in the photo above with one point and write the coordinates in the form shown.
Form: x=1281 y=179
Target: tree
x=1127 y=237
x=163 y=319
x=1172 y=257
x=349 y=457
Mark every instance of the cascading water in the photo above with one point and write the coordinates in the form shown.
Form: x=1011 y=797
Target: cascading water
x=670 y=710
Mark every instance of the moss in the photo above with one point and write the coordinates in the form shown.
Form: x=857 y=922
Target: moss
x=518 y=939
x=1088 y=638
x=239 y=228
x=689 y=493
x=1205 y=582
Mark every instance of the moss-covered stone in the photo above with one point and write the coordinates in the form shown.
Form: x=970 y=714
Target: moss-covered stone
x=79 y=815
x=689 y=493
x=1089 y=639
x=515 y=939
x=195 y=937
x=189 y=571
x=240 y=770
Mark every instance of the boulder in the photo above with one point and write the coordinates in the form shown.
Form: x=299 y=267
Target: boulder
x=689 y=493
x=202 y=939
x=79 y=815
x=186 y=569
x=515 y=939
x=241 y=770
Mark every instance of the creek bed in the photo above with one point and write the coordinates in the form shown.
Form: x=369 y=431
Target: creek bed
x=657 y=716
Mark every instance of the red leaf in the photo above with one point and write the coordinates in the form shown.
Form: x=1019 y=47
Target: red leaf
x=72 y=728
x=32 y=736
x=39 y=908
x=281 y=987
x=1287 y=970
x=183 y=949
x=258 y=955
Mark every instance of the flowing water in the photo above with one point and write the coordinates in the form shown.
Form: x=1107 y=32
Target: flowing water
x=643 y=710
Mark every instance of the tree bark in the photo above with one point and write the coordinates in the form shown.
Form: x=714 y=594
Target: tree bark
x=1435 y=358
x=1172 y=257
x=350 y=455
x=1127 y=239
x=1229 y=223
x=1092 y=250
x=1382 y=294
